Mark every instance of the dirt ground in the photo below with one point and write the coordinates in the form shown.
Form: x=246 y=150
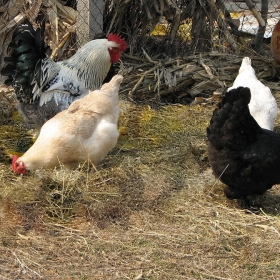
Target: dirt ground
x=152 y=210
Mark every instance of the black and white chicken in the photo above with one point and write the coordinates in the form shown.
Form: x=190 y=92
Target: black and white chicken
x=263 y=106
x=243 y=155
x=44 y=87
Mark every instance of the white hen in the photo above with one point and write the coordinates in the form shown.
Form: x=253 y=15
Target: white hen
x=263 y=106
x=87 y=130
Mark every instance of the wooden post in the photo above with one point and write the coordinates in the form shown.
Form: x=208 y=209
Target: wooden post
x=255 y=12
x=259 y=44
x=89 y=20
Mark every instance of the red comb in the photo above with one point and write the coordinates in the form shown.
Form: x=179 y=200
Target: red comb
x=119 y=40
x=15 y=157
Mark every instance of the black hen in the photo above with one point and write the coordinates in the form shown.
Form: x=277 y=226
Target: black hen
x=242 y=155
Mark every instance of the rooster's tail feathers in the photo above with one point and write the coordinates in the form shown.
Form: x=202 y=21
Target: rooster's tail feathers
x=25 y=50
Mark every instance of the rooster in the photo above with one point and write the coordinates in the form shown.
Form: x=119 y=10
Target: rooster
x=87 y=130
x=44 y=87
x=263 y=106
x=243 y=155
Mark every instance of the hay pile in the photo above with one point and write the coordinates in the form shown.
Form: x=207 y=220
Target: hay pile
x=181 y=80
x=151 y=210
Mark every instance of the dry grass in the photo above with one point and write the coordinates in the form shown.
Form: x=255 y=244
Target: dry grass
x=152 y=210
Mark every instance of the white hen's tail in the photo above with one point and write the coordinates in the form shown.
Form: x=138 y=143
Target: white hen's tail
x=114 y=85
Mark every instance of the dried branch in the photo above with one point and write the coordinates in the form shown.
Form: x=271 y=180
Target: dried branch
x=63 y=41
x=234 y=28
x=223 y=27
x=149 y=58
x=259 y=48
x=140 y=80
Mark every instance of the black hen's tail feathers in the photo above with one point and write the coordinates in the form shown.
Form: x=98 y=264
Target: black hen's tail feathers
x=26 y=49
x=232 y=125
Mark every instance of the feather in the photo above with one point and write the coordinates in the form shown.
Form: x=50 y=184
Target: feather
x=25 y=65
x=23 y=80
x=25 y=48
x=12 y=45
x=8 y=70
x=9 y=60
x=57 y=95
x=39 y=40
x=28 y=57
x=26 y=36
x=8 y=82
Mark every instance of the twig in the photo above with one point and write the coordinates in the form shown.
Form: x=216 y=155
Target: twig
x=211 y=275
x=233 y=28
x=157 y=86
x=114 y=18
x=63 y=41
x=140 y=80
x=22 y=265
x=132 y=57
x=220 y=176
x=148 y=57
x=211 y=76
x=223 y=27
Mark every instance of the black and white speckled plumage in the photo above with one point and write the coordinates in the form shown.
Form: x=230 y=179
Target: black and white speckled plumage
x=38 y=115
x=84 y=71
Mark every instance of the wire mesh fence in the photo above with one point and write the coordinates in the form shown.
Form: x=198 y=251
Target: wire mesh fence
x=164 y=28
